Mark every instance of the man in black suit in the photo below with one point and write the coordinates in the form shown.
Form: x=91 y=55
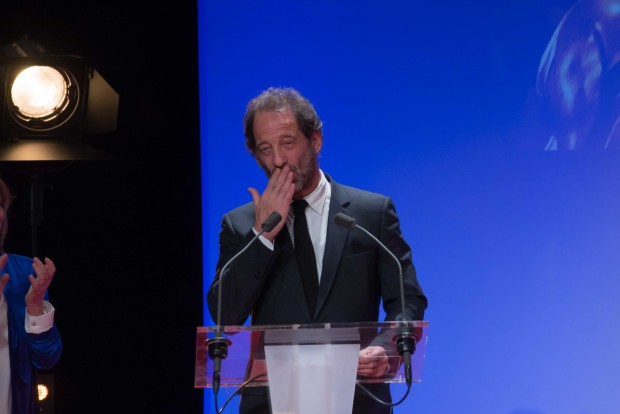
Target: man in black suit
x=353 y=274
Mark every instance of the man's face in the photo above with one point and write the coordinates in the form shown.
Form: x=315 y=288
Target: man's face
x=280 y=142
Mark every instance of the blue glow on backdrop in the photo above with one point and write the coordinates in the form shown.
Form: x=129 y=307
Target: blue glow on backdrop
x=436 y=104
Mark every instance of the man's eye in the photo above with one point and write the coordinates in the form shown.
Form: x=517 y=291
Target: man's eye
x=264 y=150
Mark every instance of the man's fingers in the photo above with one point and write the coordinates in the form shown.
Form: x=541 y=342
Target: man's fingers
x=255 y=195
x=279 y=191
x=373 y=362
x=280 y=180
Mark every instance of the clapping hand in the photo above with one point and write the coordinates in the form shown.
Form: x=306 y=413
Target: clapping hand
x=38 y=285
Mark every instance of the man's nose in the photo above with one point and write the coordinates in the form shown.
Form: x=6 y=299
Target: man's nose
x=279 y=158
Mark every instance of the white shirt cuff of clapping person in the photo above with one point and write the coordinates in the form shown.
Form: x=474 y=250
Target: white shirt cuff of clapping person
x=42 y=323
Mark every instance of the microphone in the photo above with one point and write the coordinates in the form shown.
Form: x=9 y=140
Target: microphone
x=405 y=343
x=271 y=221
x=218 y=345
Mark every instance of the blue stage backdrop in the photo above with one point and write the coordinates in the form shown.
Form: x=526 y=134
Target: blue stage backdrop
x=494 y=127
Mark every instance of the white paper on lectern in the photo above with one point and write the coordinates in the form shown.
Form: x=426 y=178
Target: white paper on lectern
x=311 y=379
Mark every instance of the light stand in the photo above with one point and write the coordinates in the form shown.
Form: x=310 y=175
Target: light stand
x=36 y=209
x=48 y=105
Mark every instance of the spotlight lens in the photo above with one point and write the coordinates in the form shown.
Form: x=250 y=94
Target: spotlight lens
x=39 y=91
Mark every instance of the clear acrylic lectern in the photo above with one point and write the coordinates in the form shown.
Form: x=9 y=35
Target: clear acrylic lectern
x=309 y=368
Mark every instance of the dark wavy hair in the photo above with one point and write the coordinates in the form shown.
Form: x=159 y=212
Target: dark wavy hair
x=280 y=99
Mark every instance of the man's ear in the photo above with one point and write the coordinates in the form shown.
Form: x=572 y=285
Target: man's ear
x=316 y=140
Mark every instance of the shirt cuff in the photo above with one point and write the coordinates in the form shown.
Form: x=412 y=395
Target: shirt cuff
x=43 y=323
x=268 y=243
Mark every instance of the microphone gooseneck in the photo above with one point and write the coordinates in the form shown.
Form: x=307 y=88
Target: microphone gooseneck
x=268 y=225
x=405 y=342
x=218 y=345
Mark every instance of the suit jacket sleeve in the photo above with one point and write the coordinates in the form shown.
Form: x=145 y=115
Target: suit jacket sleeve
x=415 y=300
x=245 y=277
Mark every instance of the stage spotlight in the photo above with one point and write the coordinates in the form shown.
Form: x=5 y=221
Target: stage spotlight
x=42 y=98
x=43 y=391
x=50 y=104
x=45 y=398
